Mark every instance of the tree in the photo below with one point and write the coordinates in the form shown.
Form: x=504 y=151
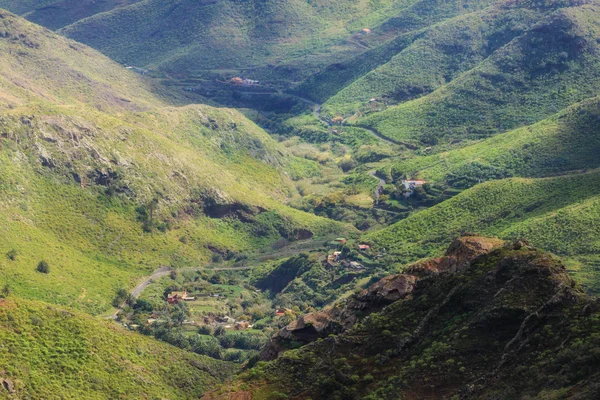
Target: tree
x=347 y=164
x=220 y=331
x=120 y=297
x=43 y=267
x=143 y=305
x=204 y=330
x=179 y=314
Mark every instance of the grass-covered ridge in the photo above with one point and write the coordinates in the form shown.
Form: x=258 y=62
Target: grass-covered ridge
x=196 y=36
x=549 y=67
x=567 y=141
x=436 y=55
x=50 y=351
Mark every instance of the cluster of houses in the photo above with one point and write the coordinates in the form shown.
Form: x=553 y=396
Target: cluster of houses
x=335 y=258
x=176 y=297
x=225 y=321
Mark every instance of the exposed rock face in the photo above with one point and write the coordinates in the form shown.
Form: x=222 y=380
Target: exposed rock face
x=8 y=385
x=388 y=290
x=458 y=256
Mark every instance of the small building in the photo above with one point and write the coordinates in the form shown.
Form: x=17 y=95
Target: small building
x=366 y=31
x=249 y=82
x=334 y=257
x=236 y=81
x=281 y=311
x=356 y=265
x=176 y=297
x=241 y=325
x=364 y=247
x=338 y=120
x=340 y=240
x=412 y=184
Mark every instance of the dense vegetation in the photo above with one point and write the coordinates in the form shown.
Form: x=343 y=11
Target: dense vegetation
x=514 y=86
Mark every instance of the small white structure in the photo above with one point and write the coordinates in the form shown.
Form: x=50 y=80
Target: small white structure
x=411 y=185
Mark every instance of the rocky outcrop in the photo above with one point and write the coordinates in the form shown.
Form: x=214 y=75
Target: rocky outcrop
x=386 y=291
x=458 y=256
x=8 y=385
x=511 y=323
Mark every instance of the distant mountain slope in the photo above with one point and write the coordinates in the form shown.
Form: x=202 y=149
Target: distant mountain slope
x=191 y=36
x=286 y=40
x=375 y=71
x=480 y=323
x=440 y=54
x=107 y=182
x=548 y=68
x=53 y=352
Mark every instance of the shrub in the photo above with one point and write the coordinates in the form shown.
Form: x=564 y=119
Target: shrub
x=347 y=164
x=43 y=267
x=12 y=255
x=204 y=330
x=143 y=305
x=220 y=331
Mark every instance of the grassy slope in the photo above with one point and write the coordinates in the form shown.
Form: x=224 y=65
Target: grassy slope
x=226 y=34
x=23 y=6
x=50 y=352
x=428 y=46
x=563 y=142
x=562 y=70
x=59 y=14
x=72 y=115
x=558 y=214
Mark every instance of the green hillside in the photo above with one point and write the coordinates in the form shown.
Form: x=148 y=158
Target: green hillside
x=190 y=36
x=557 y=214
x=437 y=56
x=58 y=14
x=547 y=68
x=50 y=352
x=564 y=142
x=107 y=182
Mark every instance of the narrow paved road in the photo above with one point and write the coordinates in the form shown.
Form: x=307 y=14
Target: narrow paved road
x=379 y=188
